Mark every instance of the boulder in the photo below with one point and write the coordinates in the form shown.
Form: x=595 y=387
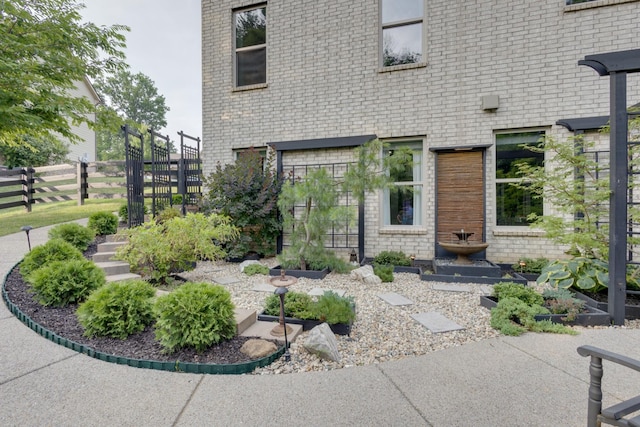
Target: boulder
x=258 y=348
x=322 y=342
x=243 y=264
x=365 y=274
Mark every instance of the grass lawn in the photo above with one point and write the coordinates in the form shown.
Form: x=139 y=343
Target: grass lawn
x=43 y=214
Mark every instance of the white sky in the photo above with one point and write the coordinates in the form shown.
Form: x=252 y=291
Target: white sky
x=164 y=44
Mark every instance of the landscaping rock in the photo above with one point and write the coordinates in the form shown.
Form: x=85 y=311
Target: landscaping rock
x=243 y=264
x=258 y=348
x=322 y=342
x=365 y=274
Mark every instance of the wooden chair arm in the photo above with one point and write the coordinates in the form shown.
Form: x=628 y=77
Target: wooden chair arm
x=588 y=350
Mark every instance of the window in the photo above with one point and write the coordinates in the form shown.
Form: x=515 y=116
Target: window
x=577 y=1
x=513 y=204
x=402 y=204
x=401 y=31
x=250 y=27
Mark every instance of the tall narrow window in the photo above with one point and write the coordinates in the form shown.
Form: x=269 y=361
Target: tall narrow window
x=402 y=204
x=401 y=31
x=250 y=26
x=514 y=204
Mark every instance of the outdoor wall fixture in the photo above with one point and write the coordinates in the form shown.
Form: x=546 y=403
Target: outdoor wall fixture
x=27 y=229
x=353 y=257
x=490 y=102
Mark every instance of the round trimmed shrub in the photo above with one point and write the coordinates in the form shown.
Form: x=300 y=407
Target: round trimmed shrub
x=66 y=282
x=103 y=223
x=53 y=250
x=296 y=304
x=74 y=233
x=195 y=315
x=253 y=269
x=117 y=309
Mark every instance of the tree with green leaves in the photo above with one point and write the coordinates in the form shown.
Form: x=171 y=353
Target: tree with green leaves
x=46 y=49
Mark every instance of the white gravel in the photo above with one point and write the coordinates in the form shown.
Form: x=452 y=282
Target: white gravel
x=381 y=332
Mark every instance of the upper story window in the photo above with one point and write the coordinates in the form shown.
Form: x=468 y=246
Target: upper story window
x=250 y=28
x=401 y=31
x=514 y=204
x=402 y=203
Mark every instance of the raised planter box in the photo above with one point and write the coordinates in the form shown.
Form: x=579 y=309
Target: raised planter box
x=338 y=328
x=630 y=311
x=398 y=268
x=309 y=274
x=516 y=278
x=592 y=317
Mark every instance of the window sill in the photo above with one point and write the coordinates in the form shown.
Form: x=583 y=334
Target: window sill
x=406 y=230
x=250 y=87
x=402 y=67
x=593 y=4
x=517 y=231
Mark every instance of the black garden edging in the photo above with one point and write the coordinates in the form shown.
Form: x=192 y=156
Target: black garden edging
x=172 y=366
x=309 y=274
x=593 y=316
x=337 y=328
x=631 y=312
x=515 y=278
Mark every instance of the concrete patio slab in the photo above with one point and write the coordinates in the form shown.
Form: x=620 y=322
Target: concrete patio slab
x=395 y=299
x=436 y=322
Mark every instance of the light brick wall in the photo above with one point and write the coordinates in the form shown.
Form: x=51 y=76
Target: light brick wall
x=323 y=80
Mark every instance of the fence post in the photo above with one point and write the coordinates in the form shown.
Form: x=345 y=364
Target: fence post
x=83 y=186
x=27 y=187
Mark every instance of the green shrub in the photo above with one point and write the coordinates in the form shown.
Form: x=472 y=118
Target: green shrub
x=53 y=250
x=103 y=223
x=384 y=272
x=512 y=316
x=530 y=265
x=74 y=233
x=117 y=309
x=296 y=304
x=176 y=199
x=392 y=258
x=195 y=315
x=158 y=250
x=123 y=212
x=524 y=293
x=168 y=213
x=252 y=269
x=332 y=308
x=66 y=282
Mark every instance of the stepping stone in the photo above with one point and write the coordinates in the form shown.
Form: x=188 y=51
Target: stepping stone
x=486 y=289
x=436 y=322
x=451 y=287
x=264 y=287
x=226 y=280
x=320 y=291
x=395 y=299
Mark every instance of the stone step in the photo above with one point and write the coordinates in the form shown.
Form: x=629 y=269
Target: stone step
x=103 y=256
x=112 y=268
x=262 y=330
x=244 y=319
x=115 y=238
x=110 y=246
x=122 y=277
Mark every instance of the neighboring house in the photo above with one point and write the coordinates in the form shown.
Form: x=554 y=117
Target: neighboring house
x=463 y=84
x=86 y=148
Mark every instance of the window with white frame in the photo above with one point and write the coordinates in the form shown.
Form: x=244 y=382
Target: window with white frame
x=402 y=203
x=514 y=204
x=250 y=31
x=401 y=31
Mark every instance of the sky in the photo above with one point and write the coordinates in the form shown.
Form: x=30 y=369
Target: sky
x=164 y=44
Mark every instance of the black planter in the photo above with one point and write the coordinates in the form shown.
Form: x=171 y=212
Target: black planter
x=630 y=311
x=337 y=328
x=516 y=278
x=416 y=269
x=592 y=317
x=309 y=274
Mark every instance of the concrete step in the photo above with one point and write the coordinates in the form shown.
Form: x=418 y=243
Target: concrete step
x=110 y=246
x=112 y=268
x=103 y=256
x=116 y=238
x=122 y=277
x=244 y=319
x=262 y=330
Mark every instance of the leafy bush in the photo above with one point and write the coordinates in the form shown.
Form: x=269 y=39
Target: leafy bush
x=123 y=212
x=158 y=250
x=195 y=315
x=296 y=304
x=65 y=282
x=103 y=223
x=384 y=272
x=252 y=269
x=247 y=191
x=586 y=274
x=524 y=293
x=530 y=265
x=176 y=199
x=513 y=316
x=167 y=213
x=563 y=301
x=117 y=309
x=332 y=308
x=53 y=250
x=74 y=233
x=392 y=258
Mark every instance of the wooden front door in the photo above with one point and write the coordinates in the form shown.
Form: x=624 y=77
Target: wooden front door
x=460 y=197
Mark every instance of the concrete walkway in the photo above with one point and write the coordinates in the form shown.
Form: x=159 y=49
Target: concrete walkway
x=532 y=380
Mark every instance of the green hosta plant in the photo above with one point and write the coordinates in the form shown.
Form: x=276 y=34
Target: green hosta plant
x=196 y=315
x=42 y=255
x=584 y=274
x=66 y=282
x=117 y=309
x=74 y=233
